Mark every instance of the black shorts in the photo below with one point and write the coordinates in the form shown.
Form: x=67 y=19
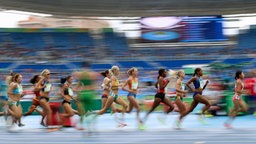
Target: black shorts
x=160 y=95
x=64 y=101
x=46 y=98
x=104 y=96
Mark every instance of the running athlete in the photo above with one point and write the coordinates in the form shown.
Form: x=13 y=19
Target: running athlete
x=114 y=96
x=8 y=80
x=35 y=101
x=239 y=104
x=86 y=95
x=197 y=96
x=180 y=93
x=67 y=93
x=45 y=87
x=15 y=93
x=106 y=86
x=133 y=90
x=161 y=84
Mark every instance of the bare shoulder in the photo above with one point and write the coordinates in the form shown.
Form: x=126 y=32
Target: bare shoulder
x=113 y=77
x=239 y=81
x=13 y=85
x=193 y=79
x=178 y=81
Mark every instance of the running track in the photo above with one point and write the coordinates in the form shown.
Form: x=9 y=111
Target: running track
x=193 y=132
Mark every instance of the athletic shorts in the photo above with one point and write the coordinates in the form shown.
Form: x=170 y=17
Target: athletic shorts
x=11 y=103
x=131 y=94
x=115 y=96
x=236 y=97
x=46 y=98
x=64 y=101
x=104 y=96
x=160 y=95
x=196 y=94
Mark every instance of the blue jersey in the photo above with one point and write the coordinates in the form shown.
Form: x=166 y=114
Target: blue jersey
x=18 y=90
x=197 y=83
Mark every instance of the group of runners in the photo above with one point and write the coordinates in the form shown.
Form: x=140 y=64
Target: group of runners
x=84 y=93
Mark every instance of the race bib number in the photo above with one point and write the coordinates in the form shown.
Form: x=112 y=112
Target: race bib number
x=48 y=87
x=70 y=92
x=20 y=90
x=237 y=97
x=183 y=86
x=201 y=83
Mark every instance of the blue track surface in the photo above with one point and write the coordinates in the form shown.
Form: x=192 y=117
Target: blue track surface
x=106 y=131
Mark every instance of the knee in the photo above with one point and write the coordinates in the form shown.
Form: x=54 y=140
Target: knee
x=128 y=111
x=208 y=105
x=125 y=106
x=171 y=108
x=137 y=110
x=106 y=108
x=189 y=111
x=18 y=115
x=113 y=110
x=103 y=110
x=244 y=109
x=183 y=113
x=235 y=109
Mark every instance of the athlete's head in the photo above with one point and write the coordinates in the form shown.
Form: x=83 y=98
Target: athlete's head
x=132 y=71
x=114 y=70
x=35 y=79
x=46 y=73
x=180 y=74
x=162 y=73
x=239 y=74
x=17 y=78
x=106 y=73
x=68 y=79
x=198 y=72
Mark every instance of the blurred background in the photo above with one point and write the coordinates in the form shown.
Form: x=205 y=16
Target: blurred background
x=64 y=36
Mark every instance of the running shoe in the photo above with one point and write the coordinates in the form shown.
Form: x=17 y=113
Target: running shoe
x=202 y=120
